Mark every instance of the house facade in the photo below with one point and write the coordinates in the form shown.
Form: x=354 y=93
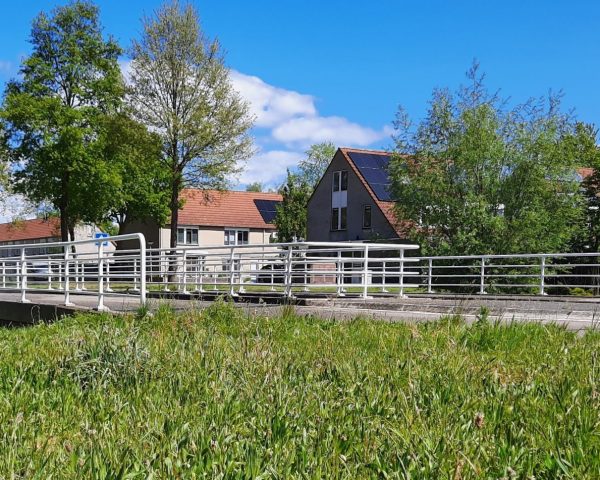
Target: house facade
x=352 y=201
x=42 y=231
x=215 y=218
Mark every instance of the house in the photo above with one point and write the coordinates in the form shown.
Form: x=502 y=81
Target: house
x=216 y=218
x=352 y=200
x=41 y=231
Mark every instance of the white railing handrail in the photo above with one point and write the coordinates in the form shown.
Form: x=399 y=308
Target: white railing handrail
x=515 y=255
x=112 y=239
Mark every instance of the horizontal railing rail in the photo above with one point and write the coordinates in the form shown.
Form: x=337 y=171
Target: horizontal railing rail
x=537 y=274
x=86 y=267
x=123 y=266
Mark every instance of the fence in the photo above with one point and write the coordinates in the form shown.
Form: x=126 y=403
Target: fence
x=536 y=274
x=64 y=268
x=285 y=269
x=288 y=269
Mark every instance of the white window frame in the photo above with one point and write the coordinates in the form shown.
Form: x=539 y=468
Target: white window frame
x=338 y=181
x=236 y=232
x=336 y=223
x=184 y=230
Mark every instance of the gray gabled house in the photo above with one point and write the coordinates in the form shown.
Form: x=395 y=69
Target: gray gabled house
x=352 y=200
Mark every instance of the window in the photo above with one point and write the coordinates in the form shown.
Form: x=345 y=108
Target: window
x=187 y=236
x=339 y=218
x=340 y=181
x=367 y=216
x=236 y=237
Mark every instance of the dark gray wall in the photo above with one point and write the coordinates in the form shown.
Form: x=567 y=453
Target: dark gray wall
x=149 y=229
x=319 y=209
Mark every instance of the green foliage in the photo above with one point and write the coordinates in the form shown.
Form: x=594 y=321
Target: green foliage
x=255 y=187
x=318 y=156
x=180 y=88
x=290 y=219
x=476 y=177
x=220 y=394
x=585 y=142
x=135 y=156
x=50 y=114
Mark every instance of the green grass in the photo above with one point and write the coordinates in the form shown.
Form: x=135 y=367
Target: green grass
x=218 y=394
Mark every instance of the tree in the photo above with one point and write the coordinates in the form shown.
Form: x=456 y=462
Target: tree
x=136 y=156
x=478 y=177
x=316 y=162
x=585 y=142
x=290 y=219
x=255 y=187
x=50 y=114
x=180 y=88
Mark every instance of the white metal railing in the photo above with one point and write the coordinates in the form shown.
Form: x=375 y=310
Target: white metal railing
x=537 y=274
x=83 y=267
x=284 y=268
x=123 y=266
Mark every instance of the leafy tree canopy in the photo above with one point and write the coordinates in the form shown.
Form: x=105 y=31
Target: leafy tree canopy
x=51 y=113
x=318 y=156
x=180 y=88
x=476 y=176
x=290 y=219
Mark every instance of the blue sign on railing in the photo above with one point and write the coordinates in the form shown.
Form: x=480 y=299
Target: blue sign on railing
x=101 y=235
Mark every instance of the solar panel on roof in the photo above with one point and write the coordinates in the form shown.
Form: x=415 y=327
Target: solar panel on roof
x=267 y=209
x=374 y=169
x=382 y=192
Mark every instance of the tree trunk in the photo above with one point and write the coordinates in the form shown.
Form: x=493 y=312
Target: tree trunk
x=174 y=211
x=174 y=204
x=64 y=224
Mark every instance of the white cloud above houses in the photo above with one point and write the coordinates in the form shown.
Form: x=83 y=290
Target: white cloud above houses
x=289 y=122
x=269 y=167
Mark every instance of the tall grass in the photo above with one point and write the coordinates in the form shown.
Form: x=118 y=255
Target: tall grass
x=218 y=394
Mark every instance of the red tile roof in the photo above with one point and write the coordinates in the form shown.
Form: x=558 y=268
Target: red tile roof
x=224 y=209
x=30 y=229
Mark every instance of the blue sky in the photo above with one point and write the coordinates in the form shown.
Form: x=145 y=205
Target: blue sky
x=317 y=70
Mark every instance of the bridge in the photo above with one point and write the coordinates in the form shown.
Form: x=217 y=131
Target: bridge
x=341 y=280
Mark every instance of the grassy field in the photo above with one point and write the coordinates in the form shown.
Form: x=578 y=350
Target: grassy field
x=217 y=394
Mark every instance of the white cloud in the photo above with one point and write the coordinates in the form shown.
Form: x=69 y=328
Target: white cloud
x=316 y=129
x=294 y=119
x=269 y=167
x=271 y=105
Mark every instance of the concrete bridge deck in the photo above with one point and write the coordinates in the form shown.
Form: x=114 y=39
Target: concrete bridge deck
x=575 y=313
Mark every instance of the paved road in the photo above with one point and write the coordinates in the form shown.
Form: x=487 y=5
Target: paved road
x=574 y=313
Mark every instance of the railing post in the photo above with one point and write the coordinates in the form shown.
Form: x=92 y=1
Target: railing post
x=288 y=272
x=49 y=275
x=542 y=274
x=482 y=277
x=108 y=289
x=101 y=306
x=383 y=276
x=401 y=290
x=142 y=271
x=183 y=283
x=429 y=275
x=66 y=270
x=3 y=275
x=231 y=272
x=339 y=278
x=135 y=288
x=163 y=262
x=366 y=272
x=23 y=277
